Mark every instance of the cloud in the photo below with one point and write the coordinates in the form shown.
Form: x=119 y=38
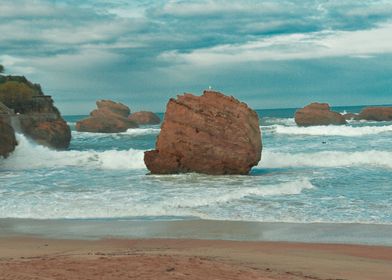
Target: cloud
x=15 y=65
x=23 y=9
x=157 y=27
x=221 y=8
x=362 y=43
x=155 y=48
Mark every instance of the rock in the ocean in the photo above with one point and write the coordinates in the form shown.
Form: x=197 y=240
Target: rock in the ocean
x=376 y=114
x=211 y=134
x=51 y=132
x=144 y=117
x=36 y=116
x=110 y=117
x=116 y=108
x=7 y=138
x=318 y=114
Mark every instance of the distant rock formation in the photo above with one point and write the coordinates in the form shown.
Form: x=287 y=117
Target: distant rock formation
x=375 y=114
x=318 y=114
x=113 y=107
x=144 y=117
x=110 y=117
x=7 y=138
x=33 y=112
x=211 y=134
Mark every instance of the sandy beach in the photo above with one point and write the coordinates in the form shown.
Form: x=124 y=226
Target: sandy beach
x=41 y=258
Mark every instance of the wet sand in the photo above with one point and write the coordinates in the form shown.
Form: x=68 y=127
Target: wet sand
x=366 y=234
x=45 y=258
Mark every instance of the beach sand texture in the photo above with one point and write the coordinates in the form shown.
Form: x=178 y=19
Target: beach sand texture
x=37 y=258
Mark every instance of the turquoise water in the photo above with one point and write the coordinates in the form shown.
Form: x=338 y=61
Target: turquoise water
x=333 y=174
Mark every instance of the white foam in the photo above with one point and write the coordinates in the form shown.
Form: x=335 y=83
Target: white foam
x=282 y=121
x=224 y=196
x=326 y=159
x=142 y=131
x=332 y=130
x=130 y=200
x=131 y=132
x=28 y=155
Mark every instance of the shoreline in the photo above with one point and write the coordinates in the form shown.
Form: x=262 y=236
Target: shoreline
x=117 y=259
x=94 y=229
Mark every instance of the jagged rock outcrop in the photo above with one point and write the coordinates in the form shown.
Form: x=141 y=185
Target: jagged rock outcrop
x=50 y=131
x=110 y=117
x=7 y=138
x=212 y=134
x=34 y=112
x=375 y=114
x=144 y=117
x=318 y=114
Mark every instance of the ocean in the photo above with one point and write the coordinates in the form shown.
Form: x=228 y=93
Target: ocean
x=329 y=174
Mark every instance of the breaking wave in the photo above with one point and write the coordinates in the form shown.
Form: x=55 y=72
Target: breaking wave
x=281 y=121
x=225 y=196
x=28 y=155
x=327 y=159
x=131 y=201
x=31 y=156
x=131 y=132
x=331 y=130
x=141 y=131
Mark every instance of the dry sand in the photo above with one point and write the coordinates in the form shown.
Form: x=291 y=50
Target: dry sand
x=37 y=258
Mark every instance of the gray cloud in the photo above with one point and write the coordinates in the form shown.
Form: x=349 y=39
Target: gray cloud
x=146 y=51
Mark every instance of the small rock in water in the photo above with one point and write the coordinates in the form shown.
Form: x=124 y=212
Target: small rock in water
x=376 y=114
x=318 y=114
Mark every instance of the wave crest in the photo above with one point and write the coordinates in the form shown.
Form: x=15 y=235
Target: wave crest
x=326 y=159
x=331 y=130
x=286 y=188
x=28 y=155
x=131 y=132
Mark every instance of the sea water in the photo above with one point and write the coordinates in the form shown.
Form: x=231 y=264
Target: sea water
x=320 y=174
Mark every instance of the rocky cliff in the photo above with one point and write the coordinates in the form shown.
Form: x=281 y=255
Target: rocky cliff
x=7 y=138
x=35 y=114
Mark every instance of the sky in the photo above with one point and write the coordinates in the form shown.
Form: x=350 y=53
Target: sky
x=269 y=54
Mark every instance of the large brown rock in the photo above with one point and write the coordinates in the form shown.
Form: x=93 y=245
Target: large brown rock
x=7 y=138
x=36 y=116
x=110 y=117
x=144 y=117
x=48 y=131
x=212 y=134
x=376 y=114
x=318 y=114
